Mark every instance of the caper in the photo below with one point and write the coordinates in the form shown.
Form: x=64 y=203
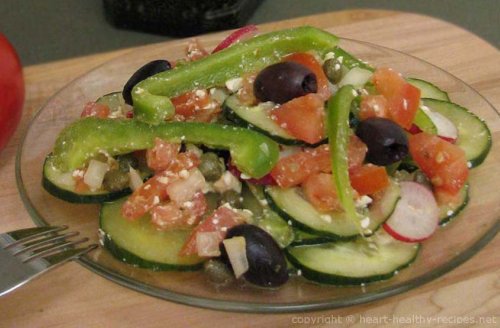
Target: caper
x=126 y=161
x=217 y=272
x=211 y=167
x=213 y=201
x=333 y=70
x=115 y=180
x=233 y=198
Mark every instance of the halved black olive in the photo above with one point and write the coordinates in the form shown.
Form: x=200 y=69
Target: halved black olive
x=150 y=69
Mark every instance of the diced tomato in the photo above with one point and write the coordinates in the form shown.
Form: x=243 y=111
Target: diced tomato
x=95 y=110
x=172 y=216
x=368 y=179
x=302 y=117
x=183 y=189
x=161 y=156
x=321 y=192
x=293 y=170
x=196 y=105
x=445 y=198
x=373 y=106
x=320 y=158
x=220 y=221
x=310 y=62
x=150 y=194
x=356 y=152
x=80 y=185
x=195 y=50
x=443 y=163
x=402 y=98
x=245 y=94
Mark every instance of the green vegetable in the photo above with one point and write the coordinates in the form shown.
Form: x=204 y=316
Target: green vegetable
x=338 y=108
x=251 y=152
x=151 y=96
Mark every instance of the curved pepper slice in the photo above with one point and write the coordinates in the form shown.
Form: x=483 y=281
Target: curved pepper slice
x=151 y=96
x=253 y=153
x=338 y=108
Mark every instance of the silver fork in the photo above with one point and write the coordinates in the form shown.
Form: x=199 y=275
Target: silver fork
x=27 y=253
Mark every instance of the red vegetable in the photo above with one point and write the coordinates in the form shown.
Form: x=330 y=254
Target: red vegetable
x=238 y=35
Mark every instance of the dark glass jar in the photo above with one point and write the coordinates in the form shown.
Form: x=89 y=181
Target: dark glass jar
x=179 y=17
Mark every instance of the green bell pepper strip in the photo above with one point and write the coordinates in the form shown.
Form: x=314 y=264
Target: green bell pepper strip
x=151 y=96
x=253 y=153
x=338 y=108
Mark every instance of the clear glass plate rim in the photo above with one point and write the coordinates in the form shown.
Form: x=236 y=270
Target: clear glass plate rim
x=241 y=306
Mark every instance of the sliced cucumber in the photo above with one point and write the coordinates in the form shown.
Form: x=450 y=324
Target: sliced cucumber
x=293 y=207
x=254 y=200
x=114 y=101
x=354 y=262
x=428 y=90
x=62 y=185
x=447 y=212
x=257 y=118
x=305 y=238
x=140 y=244
x=474 y=137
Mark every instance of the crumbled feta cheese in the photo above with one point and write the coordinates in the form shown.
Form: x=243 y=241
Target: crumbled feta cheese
x=184 y=174
x=235 y=84
x=329 y=55
x=363 y=201
x=365 y=222
x=227 y=182
x=326 y=218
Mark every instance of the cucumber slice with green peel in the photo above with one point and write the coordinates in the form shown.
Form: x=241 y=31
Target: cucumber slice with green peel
x=474 y=137
x=140 y=244
x=257 y=118
x=305 y=238
x=116 y=104
x=62 y=185
x=265 y=218
x=293 y=207
x=353 y=262
x=448 y=212
x=428 y=90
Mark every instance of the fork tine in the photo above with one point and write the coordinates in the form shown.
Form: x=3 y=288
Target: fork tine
x=33 y=233
x=68 y=255
x=54 y=249
x=46 y=241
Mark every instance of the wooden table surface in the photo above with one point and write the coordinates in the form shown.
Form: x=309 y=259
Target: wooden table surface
x=72 y=296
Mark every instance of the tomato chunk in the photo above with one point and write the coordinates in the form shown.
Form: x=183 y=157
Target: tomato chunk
x=293 y=170
x=302 y=117
x=196 y=105
x=310 y=62
x=442 y=162
x=161 y=156
x=321 y=192
x=402 y=98
x=220 y=221
x=195 y=50
x=368 y=179
x=172 y=216
x=373 y=106
x=143 y=199
x=93 y=109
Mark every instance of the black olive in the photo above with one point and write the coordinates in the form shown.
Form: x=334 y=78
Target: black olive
x=284 y=81
x=150 y=69
x=386 y=141
x=266 y=261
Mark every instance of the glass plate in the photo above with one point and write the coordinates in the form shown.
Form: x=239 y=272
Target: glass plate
x=448 y=248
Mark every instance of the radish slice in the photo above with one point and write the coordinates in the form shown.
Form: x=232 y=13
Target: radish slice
x=445 y=128
x=238 y=35
x=416 y=215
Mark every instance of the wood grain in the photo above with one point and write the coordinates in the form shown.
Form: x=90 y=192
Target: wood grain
x=75 y=297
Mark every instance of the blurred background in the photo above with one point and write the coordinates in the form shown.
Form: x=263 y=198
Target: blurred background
x=47 y=30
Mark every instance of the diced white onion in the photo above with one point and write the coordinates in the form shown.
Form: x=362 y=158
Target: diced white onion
x=235 y=84
x=135 y=180
x=219 y=95
x=95 y=174
x=66 y=179
x=236 y=252
x=183 y=190
x=227 y=182
x=207 y=243
x=356 y=77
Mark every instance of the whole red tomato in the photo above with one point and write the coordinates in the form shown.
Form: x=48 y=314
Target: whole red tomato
x=11 y=90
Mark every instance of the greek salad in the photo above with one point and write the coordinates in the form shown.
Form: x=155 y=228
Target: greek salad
x=275 y=155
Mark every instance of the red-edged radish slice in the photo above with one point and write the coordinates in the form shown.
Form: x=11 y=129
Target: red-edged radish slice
x=446 y=130
x=238 y=35
x=416 y=215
